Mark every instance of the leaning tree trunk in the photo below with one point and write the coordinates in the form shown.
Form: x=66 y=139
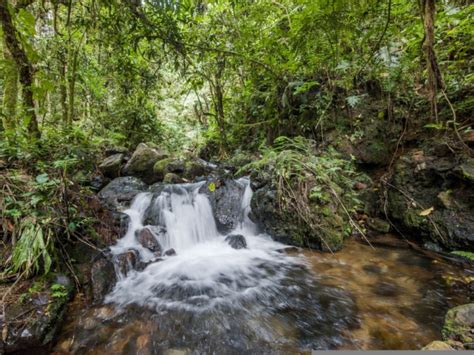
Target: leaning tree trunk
x=25 y=68
x=435 y=80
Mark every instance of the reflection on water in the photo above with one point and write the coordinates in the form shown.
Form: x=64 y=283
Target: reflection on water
x=401 y=296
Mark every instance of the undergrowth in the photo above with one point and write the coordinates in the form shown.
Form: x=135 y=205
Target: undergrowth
x=316 y=186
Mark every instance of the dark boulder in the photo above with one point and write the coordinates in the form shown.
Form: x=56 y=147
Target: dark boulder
x=195 y=168
x=142 y=161
x=27 y=332
x=147 y=238
x=225 y=197
x=112 y=165
x=430 y=196
x=119 y=193
x=236 y=241
x=287 y=227
x=103 y=277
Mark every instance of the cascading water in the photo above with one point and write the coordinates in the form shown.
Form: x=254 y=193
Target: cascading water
x=244 y=298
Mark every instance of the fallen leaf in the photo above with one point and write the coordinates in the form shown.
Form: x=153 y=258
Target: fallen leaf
x=427 y=212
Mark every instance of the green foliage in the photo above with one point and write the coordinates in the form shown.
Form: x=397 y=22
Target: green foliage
x=465 y=254
x=311 y=184
x=59 y=292
x=33 y=252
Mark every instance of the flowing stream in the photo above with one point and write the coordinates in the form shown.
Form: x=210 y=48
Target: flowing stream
x=212 y=298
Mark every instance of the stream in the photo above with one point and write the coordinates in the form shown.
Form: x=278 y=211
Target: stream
x=265 y=297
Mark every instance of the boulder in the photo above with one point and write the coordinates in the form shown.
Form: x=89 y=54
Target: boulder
x=103 y=277
x=169 y=165
x=459 y=324
x=197 y=168
x=111 y=165
x=142 y=161
x=236 y=241
x=432 y=197
x=120 y=192
x=285 y=226
x=225 y=197
x=27 y=332
x=148 y=240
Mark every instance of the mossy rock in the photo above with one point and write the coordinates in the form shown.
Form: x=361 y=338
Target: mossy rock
x=142 y=162
x=160 y=168
x=459 y=324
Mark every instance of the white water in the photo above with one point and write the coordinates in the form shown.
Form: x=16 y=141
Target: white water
x=206 y=272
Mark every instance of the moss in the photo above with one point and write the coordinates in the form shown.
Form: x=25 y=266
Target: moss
x=160 y=166
x=465 y=254
x=458 y=324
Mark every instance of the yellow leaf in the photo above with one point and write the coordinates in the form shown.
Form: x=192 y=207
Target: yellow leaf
x=427 y=212
x=212 y=187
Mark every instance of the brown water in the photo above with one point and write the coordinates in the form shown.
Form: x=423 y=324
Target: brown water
x=390 y=298
x=401 y=295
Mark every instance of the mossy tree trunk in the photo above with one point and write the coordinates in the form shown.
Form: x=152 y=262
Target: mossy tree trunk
x=24 y=66
x=10 y=95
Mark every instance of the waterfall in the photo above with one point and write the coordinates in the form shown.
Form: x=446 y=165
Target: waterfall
x=206 y=272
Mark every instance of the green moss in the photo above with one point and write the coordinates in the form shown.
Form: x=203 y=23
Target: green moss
x=465 y=254
x=160 y=166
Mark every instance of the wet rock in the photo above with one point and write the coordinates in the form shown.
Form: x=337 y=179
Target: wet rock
x=33 y=332
x=121 y=222
x=172 y=178
x=378 y=225
x=97 y=182
x=432 y=246
x=120 y=192
x=127 y=261
x=148 y=240
x=459 y=324
x=142 y=161
x=170 y=252
x=103 y=277
x=225 y=197
x=197 y=168
x=112 y=165
x=285 y=226
x=236 y=241
x=439 y=187
x=437 y=345
x=169 y=165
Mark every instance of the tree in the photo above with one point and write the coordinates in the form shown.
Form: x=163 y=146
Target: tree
x=25 y=68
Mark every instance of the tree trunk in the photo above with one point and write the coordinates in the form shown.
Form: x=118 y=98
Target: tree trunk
x=435 y=80
x=10 y=95
x=25 y=68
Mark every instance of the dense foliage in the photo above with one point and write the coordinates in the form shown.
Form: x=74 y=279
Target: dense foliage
x=79 y=76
